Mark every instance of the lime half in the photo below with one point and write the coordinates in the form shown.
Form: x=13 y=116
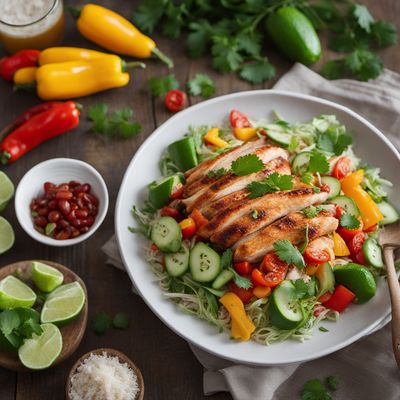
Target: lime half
x=63 y=304
x=46 y=278
x=6 y=235
x=15 y=293
x=6 y=190
x=41 y=351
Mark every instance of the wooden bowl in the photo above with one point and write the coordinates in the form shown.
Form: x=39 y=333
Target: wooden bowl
x=72 y=333
x=111 y=352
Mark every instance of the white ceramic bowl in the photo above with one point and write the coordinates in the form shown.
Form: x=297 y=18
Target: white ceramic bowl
x=369 y=144
x=58 y=170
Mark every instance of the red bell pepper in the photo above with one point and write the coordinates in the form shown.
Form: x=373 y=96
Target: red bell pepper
x=39 y=128
x=244 y=294
x=21 y=59
x=188 y=227
x=198 y=218
x=243 y=268
x=340 y=299
x=171 y=212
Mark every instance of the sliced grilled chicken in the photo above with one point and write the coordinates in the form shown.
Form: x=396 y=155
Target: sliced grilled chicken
x=230 y=200
x=224 y=160
x=229 y=226
x=265 y=153
x=231 y=183
x=252 y=248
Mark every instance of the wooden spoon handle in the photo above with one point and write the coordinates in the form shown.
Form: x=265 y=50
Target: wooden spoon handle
x=394 y=290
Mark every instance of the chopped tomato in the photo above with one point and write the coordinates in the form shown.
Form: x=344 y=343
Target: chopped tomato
x=325 y=297
x=359 y=258
x=324 y=188
x=154 y=247
x=243 y=268
x=175 y=100
x=178 y=192
x=339 y=212
x=355 y=244
x=198 y=218
x=270 y=279
x=271 y=263
x=313 y=255
x=239 y=120
x=188 y=227
x=340 y=299
x=348 y=234
x=342 y=168
x=170 y=212
x=244 y=294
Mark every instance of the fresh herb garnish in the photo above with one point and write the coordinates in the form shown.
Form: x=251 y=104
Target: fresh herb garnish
x=216 y=174
x=226 y=259
x=116 y=124
x=314 y=390
x=306 y=178
x=303 y=289
x=323 y=329
x=257 y=71
x=273 y=183
x=332 y=381
x=312 y=211
x=349 y=221
x=120 y=321
x=288 y=253
x=318 y=163
x=201 y=85
x=101 y=323
x=241 y=281
x=316 y=189
x=159 y=85
x=247 y=165
x=333 y=141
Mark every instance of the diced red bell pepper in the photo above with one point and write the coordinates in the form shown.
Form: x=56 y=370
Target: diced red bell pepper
x=170 y=212
x=188 y=227
x=244 y=294
x=340 y=299
x=243 y=268
x=198 y=218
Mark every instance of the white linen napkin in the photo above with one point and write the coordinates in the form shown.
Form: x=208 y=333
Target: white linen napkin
x=366 y=369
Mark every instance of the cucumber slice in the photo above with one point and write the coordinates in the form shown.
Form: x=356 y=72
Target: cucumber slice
x=183 y=153
x=167 y=235
x=326 y=279
x=389 y=212
x=160 y=191
x=222 y=279
x=283 y=309
x=278 y=134
x=300 y=162
x=347 y=204
x=177 y=264
x=204 y=263
x=373 y=253
x=334 y=186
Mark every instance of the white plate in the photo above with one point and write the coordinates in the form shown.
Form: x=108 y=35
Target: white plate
x=370 y=145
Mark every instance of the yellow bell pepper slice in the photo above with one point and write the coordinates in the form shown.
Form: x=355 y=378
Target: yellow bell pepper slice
x=245 y=134
x=212 y=137
x=261 y=291
x=241 y=326
x=25 y=75
x=339 y=246
x=369 y=211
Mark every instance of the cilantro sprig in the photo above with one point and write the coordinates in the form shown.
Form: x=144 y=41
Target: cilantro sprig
x=246 y=165
x=102 y=322
x=226 y=263
x=315 y=390
x=160 y=85
x=273 y=183
x=201 y=85
x=289 y=253
x=349 y=221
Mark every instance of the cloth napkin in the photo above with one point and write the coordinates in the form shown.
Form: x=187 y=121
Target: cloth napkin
x=366 y=369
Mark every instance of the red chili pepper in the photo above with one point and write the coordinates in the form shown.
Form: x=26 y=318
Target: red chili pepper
x=21 y=59
x=41 y=127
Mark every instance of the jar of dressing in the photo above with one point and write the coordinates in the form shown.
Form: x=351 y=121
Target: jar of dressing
x=30 y=24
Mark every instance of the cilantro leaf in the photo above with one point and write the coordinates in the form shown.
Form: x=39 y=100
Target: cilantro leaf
x=273 y=183
x=363 y=64
x=257 y=71
x=310 y=212
x=332 y=382
x=240 y=281
x=226 y=56
x=318 y=163
x=201 y=85
x=226 y=259
x=100 y=323
x=306 y=178
x=29 y=327
x=199 y=37
x=159 y=86
x=349 y=221
x=314 y=390
x=9 y=320
x=120 y=321
x=216 y=174
x=247 y=165
x=174 y=19
x=148 y=14
x=288 y=253
x=363 y=17
x=384 y=33
x=250 y=42
x=333 y=69
x=303 y=289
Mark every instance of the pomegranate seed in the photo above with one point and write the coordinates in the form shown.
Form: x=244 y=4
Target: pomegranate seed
x=48 y=185
x=77 y=223
x=75 y=233
x=54 y=216
x=81 y=213
x=40 y=221
x=63 y=235
x=42 y=202
x=43 y=211
x=84 y=229
x=63 y=195
x=79 y=203
x=64 y=223
x=71 y=216
x=64 y=206
x=53 y=204
x=33 y=205
x=89 y=220
x=73 y=184
x=50 y=194
x=62 y=186
x=74 y=207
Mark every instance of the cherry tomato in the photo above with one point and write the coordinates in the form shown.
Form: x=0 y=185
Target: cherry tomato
x=170 y=212
x=177 y=193
x=359 y=258
x=372 y=228
x=270 y=279
x=239 y=120
x=243 y=268
x=175 y=100
x=341 y=168
x=271 y=263
x=244 y=294
x=355 y=244
x=348 y=234
x=313 y=255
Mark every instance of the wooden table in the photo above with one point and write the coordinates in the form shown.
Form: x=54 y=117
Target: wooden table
x=169 y=368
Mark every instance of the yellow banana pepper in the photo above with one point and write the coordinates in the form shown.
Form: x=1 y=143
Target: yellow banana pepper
x=212 y=137
x=241 y=325
x=62 y=54
x=115 y=33
x=24 y=76
x=245 y=134
x=81 y=78
x=351 y=186
x=339 y=246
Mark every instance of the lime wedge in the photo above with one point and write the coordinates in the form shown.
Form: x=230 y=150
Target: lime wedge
x=6 y=190
x=63 y=304
x=15 y=293
x=6 y=235
x=46 y=278
x=41 y=351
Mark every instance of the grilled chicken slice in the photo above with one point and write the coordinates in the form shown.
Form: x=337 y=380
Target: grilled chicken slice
x=231 y=183
x=265 y=153
x=252 y=248
x=230 y=200
x=224 y=160
x=229 y=226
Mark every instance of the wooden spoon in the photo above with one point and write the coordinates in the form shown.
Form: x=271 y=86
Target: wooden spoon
x=389 y=239
x=111 y=352
x=72 y=333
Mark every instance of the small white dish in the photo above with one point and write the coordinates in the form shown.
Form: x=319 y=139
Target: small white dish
x=58 y=170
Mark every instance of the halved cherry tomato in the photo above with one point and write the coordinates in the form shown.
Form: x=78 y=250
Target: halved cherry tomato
x=271 y=263
x=170 y=212
x=244 y=294
x=198 y=218
x=340 y=299
x=312 y=255
x=348 y=234
x=355 y=244
x=243 y=268
x=239 y=120
x=175 y=100
x=359 y=258
x=341 y=168
x=177 y=193
x=270 y=279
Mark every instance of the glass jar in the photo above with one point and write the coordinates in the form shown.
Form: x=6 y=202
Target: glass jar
x=31 y=24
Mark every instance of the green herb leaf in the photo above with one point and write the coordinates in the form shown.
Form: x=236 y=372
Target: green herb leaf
x=199 y=37
x=226 y=259
x=312 y=211
x=9 y=320
x=30 y=327
x=148 y=14
x=314 y=390
x=363 y=17
x=159 y=85
x=257 y=71
x=120 y=321
x=226 y=56
x=212 y=303
x=333 y=142
x=363 y=64
x=306 y=178
x=384 y=33
x=303 y=289
x=316 y=189
x=273 y=183
x=323 y=329
x=241 y=281
x=332 y=381
x=288 y=253
x=318 y=163
x=334 y=69
x=349 y=221
x=247 y=165
x=201 y=85
x=101 y=323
